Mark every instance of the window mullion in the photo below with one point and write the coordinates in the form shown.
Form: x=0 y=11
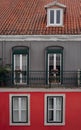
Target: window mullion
x=21 y=68
x=14 y=68
x=54 y=101
x=14 y=62
x=19 y=109
x=55 y=16
x=54 y=61
x=48 y=68
x=61 y=18
x=20 y=61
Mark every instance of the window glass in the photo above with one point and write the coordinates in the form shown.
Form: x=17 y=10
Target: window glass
x=23 y=103
x=23 y=116
x=55 y=109
x=19 y=109
x=15 y=103
x=15 y=116
x=54 y=67
x=51 y=16
x=58 y=16
x=17 y=62
x=20 y=68
x=58 y=116
x=55 y=17
x=50 y=116
x=50 y=103
x=24 y=62
x=20 y=65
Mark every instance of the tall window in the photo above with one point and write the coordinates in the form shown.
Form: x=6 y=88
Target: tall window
x=54 y=64
x=54 y=109
x=20 y=66
x=54 y=67
x=19 y=109
x=55 y=17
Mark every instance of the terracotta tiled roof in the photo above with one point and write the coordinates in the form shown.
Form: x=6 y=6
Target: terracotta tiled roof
x=28 y=17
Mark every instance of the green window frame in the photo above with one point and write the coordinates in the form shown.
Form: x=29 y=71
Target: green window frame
x=58 y=50
x=20 y=51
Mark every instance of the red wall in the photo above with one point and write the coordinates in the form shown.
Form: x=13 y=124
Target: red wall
x=72 y=112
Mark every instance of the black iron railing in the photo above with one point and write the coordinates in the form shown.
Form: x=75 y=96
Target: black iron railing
x=41 y=79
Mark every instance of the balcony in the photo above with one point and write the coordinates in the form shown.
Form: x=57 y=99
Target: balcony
x=41 y=79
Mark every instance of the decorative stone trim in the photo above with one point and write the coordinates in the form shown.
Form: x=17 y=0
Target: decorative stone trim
x=40 y=37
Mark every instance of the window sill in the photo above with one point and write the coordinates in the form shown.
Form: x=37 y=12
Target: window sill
x=55 y=26
x=54 y=124
x=20 y=124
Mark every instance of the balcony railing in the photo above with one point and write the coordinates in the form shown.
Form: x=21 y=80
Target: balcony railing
x=41 y=79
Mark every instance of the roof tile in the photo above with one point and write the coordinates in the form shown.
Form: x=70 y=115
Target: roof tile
x=28 y=17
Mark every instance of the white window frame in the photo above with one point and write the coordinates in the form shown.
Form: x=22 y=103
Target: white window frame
x=45 y=110
x=55 y=23
x=10 y=108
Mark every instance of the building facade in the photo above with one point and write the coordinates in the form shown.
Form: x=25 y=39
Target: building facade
x=40 y=77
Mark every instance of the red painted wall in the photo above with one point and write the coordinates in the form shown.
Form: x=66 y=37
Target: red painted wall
x=72 y=112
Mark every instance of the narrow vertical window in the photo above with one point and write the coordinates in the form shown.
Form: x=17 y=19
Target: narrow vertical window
x=54 y=67
x=20 y=65
x=20 y=68
x=54 y=64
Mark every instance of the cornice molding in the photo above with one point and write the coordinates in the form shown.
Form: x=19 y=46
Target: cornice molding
x=40 y=37
x=40 y=90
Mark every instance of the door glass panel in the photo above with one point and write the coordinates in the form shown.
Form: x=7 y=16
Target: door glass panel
x=24 y=68
x=17 y=68
x=54 y=67
x=17 y=62
x=20 y=68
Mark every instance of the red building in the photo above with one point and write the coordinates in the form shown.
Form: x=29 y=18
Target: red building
x=38 y=111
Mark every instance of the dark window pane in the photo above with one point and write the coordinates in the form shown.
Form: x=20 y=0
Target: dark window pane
x=51 y=16
x=50 y=103
x=58 y=16
x=50 y=115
